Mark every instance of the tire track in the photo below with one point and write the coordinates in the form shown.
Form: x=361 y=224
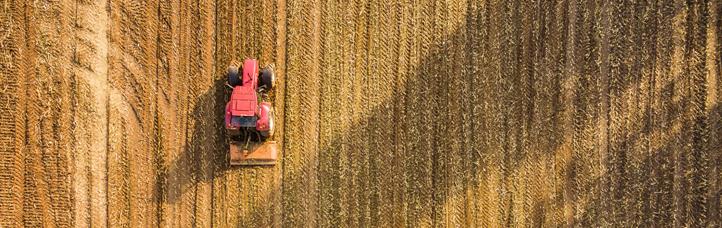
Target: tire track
x=384 y=46
x=90 y=77
x=698 y=158
x=560 y=90
x=569 y=91
x=663 y=172
x=331 y=125
x=354 y=203
x=399 y=206
x=712 y=109
x=640 y=119
x=225 y=199
x=618 y=119
x=475 y=65
x=301 y=136
x=169 y=102
x=603 y=35
x=359 y=155
x=119 y=206
x=456 y=136
x=202 y=99
x=587 y=170
x=45 y=178
x=380 y=89
x=346 y=96
x=413 y=131
x=508 y=103
x=420 y=174
x=527 y=50
x=438 y=68
x=181 y=179
x=678 y=107
x=133 y=59
x=492 y=163
x=12 y=125
x=278 y=96
x=62 y=127
x=31 y=171
x=59 y=129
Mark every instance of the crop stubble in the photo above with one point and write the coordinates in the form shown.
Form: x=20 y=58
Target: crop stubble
x=461 y=113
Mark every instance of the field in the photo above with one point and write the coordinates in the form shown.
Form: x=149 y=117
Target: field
x=401 y=113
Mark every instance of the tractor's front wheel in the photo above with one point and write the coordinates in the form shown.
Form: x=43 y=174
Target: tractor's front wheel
x=233 y=77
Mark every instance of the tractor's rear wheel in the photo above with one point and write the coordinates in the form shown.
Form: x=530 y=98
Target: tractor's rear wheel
x=271 y=126
x=267 y=79
x=233 y=78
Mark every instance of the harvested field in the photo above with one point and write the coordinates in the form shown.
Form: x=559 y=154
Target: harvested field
x=407 y=113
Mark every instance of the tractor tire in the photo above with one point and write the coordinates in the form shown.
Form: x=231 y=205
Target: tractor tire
x=271 y=127
x=267 y=79
x=233 y=77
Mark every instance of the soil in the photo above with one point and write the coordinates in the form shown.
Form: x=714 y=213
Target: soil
x=389 y=114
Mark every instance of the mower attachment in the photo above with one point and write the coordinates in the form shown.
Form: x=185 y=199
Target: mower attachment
x=265 y=153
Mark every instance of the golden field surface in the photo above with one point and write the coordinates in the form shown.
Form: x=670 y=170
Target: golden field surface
x=453 y=113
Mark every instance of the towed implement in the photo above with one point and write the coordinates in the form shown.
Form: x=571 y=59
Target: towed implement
x=249 y=116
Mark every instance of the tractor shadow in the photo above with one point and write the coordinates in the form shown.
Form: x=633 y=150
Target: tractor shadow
x=205 y=153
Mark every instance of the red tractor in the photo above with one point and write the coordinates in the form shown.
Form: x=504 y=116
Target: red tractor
x=249 y=117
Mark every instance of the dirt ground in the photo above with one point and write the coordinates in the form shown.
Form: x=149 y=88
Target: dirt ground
x=390 y=113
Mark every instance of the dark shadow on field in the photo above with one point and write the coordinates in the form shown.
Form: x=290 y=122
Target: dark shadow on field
x=501 y=112
x=511 y=117
x=205 y=154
